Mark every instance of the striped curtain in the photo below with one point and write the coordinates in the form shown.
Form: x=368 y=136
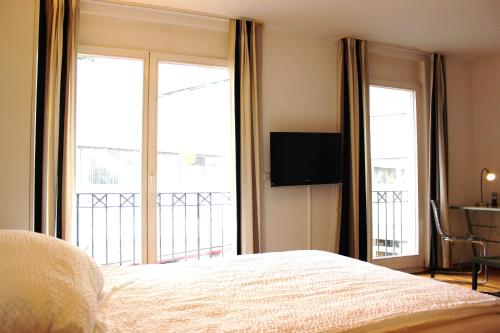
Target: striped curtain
x=54 y=118
x=243 y=48
x=439 y=254
x=355 y=209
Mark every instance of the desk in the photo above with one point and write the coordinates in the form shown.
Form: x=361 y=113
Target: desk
x=470 y=212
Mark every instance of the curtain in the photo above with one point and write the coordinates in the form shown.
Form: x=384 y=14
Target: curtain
x=54 y=118
x=439 y=252
x=243 y=66
x=355 y=207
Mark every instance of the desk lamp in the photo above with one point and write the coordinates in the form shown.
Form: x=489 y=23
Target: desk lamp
x=490 y=176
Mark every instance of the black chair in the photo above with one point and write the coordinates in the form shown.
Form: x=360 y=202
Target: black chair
x=446 y=237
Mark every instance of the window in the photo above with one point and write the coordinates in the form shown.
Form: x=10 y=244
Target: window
x=155 y=176
x=108 y=158
x=393 y=134
x=195 y=211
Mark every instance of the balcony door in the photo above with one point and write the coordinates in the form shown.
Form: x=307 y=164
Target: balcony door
x=192 y=158
x=155 y=179
x=396 y=227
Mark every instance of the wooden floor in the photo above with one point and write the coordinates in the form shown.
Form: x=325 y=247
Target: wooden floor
x=464 y=280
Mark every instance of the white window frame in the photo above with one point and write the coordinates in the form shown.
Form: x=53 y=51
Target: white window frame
x=410 y=262
x=389 y=77
x=144 y=56
x=154 y=60
x=149 y=129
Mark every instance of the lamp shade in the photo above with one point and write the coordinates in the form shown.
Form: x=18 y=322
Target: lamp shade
x=490 y=176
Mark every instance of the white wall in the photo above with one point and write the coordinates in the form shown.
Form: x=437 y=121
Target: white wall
x=460 y=118
x=486 y=128
x=17 y=33
x=486 y=136
x=474 y=141
x=460 y=153
x=473 y=124
x=299 y=93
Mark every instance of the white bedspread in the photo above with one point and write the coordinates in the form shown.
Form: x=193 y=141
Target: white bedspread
x=298 y=291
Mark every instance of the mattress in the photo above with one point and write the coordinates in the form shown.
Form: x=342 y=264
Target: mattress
x=296 y=291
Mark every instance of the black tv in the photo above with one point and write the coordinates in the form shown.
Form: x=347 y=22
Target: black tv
x=299 y=158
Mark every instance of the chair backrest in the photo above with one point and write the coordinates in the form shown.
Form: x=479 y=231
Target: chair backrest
x=437 y=221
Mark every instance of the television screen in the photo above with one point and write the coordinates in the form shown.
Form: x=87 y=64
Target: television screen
x=305 y=158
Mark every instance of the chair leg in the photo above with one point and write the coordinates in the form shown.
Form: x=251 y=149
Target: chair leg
x=433 y=273
x=485 y=280
x=474 y=275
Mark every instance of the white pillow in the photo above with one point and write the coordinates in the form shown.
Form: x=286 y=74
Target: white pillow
x=46 y=285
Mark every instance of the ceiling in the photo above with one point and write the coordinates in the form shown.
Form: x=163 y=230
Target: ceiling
x=469 y=29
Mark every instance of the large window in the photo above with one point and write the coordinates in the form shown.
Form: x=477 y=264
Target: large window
x=393 y=138
x=154 y=158
x=108 y=158
x=195 y=162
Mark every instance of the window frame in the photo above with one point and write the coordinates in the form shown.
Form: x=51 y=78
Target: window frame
x=410 y=261
x=151 y=61
x=154 y=60
x=144 y=56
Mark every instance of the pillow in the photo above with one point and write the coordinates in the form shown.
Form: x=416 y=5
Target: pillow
x=46 y=284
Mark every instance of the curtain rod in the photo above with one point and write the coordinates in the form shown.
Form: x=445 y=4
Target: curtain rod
x=171 y=9
x=406 y=48
x=393 y=46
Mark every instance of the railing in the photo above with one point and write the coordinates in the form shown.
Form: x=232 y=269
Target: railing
x=390 y=217
x=189 y=225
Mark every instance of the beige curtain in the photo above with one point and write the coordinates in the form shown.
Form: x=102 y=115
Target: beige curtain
x=440 y=252
x=243 y=48
x=54 y=129
x=355 y=223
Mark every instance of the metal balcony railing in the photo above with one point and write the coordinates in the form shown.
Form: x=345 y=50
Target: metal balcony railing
x=389 y=216
x=189 y=225
x=198 y=224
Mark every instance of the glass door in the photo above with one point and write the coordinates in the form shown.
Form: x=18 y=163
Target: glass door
x=155 y=172
x=194 y=159
x=109 y=156
x=396 y=230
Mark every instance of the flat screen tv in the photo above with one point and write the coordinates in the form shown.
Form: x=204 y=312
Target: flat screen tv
x=299 y=158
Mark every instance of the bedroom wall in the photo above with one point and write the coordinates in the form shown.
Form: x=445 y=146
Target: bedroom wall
x=17 y=39
x=299 y=93
x=486 y=122
x=486 y=137
x=473 y=123
x=460 y=118
x=461 y=152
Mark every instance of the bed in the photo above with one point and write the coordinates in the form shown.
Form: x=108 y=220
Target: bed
x=48 y=285
x=297 y=291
